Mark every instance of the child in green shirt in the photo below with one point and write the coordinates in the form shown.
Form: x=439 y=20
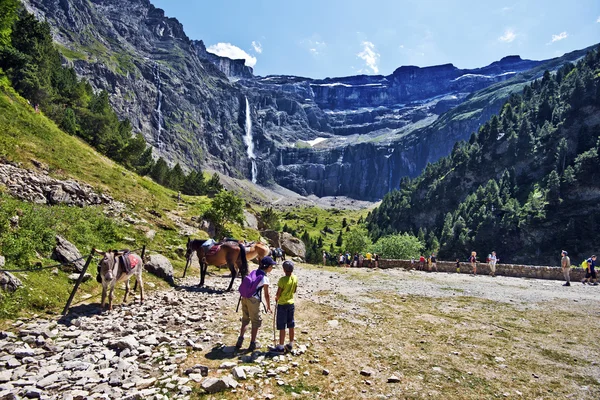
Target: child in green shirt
x=286 y=288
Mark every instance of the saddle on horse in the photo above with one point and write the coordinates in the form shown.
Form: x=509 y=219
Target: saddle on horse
x=127 y=261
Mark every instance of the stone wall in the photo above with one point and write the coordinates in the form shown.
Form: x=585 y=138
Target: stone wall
x=519 y=271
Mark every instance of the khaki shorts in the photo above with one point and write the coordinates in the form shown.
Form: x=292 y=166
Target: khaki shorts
x=251 y=312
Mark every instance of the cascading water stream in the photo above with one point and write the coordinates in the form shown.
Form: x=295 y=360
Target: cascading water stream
x=158 y=110
x=249 y=142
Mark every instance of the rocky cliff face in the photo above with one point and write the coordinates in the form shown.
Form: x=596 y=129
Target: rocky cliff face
x=233 y=69
x=355 y=136
x=183 y=104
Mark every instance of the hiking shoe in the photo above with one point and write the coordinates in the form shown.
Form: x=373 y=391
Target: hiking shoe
x=288 y=347
x=253 y=346
x=240 y=341
x=595 y=284
x=567 y=284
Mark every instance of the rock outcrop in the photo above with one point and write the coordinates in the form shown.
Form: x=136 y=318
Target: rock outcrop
x=42 y=189
x=66 y=252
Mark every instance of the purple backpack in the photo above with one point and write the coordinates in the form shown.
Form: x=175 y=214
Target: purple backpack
x=250 y=283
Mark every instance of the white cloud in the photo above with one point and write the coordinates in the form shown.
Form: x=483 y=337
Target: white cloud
x=370 y=56
x=560 y=36
x=509 y=36
x=315 y=45
x=598 y=20
x=230 y=51
x=257 y=47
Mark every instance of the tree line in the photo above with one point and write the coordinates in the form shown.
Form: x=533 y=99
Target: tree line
x=523 y=185
x=33 y=65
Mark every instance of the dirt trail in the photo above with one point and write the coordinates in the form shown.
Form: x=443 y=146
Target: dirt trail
x=155 y=350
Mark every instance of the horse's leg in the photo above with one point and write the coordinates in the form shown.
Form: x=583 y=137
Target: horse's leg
x=126 y=289
x=233 y=269
x=203 y=269
x=104 y=285
x=113 y=283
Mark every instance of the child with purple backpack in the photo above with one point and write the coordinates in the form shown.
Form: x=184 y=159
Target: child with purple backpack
x=251 y=289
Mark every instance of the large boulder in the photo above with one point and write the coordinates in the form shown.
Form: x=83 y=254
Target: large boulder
x=65 y=252
x=8 y=282
x=292 y=245
x=272 y=236
x=251 y=221
x=159 y=265
x=208 y=227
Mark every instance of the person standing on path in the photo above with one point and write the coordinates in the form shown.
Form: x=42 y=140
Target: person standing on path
x=324 y=258
x=433 y=264
x=376 y=260
x=565 y=263
x=590 y=276
x=493 y=260
x=421 y=263
x=257 y=282
x=473 y=261
x=286 y=288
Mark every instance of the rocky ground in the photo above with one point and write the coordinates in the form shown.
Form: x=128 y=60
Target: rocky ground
x=178 y=344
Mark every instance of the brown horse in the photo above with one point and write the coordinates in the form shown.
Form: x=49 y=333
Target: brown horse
x=231 y=253
x=256 y=250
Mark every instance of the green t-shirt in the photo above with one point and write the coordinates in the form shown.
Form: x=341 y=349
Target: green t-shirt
x=288 y=285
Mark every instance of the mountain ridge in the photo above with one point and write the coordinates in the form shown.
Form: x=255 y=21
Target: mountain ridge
x=120 y=46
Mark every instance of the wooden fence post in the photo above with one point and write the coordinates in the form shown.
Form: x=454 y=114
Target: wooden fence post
x=79 y=280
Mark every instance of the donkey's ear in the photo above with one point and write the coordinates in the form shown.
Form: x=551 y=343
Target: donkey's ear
x=102 y=253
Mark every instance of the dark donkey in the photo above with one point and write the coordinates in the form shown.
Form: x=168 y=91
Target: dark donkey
x=231 y=253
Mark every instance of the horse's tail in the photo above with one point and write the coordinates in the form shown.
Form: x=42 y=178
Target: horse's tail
x=244 y=266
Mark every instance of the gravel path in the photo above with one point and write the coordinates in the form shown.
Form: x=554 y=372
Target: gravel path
x=139 y=351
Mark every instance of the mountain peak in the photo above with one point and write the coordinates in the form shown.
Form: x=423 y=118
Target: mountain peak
x=511 y=59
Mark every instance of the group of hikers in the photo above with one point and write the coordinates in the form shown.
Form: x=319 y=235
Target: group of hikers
x=256 y=285
x=368 y=260
x=589 y=266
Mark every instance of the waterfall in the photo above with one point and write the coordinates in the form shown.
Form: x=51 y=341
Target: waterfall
x=158 y=110
x=249 y=142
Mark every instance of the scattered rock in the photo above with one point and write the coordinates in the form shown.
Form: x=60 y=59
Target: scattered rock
x=325 y=372
x=368 y=371
x=65 y=252
x=213 y=385
x=393 y=379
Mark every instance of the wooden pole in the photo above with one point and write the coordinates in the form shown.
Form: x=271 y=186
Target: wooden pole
x=79 y=280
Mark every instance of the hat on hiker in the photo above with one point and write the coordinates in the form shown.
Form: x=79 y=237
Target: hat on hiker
x=288 y=266
x=266 y=261
x=564 y=252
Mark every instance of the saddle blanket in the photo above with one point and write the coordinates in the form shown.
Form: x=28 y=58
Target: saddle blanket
x=129 y=261
x=213 y=250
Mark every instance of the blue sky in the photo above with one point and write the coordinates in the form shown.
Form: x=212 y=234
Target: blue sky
x=321 y=38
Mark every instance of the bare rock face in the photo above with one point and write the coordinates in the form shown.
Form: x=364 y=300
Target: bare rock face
x=65 y=252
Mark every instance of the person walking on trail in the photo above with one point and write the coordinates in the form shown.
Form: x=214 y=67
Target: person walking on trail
x=433 y=264
x=324 y=258
x=376 y=260
x=421 y=263
x=590 y=276
x=286 y=288
x=369 y=256
x=341 y=260
x=492 y=262
x=473 y=261
x=458 y=265
x=565 y=263
x=253 y=286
